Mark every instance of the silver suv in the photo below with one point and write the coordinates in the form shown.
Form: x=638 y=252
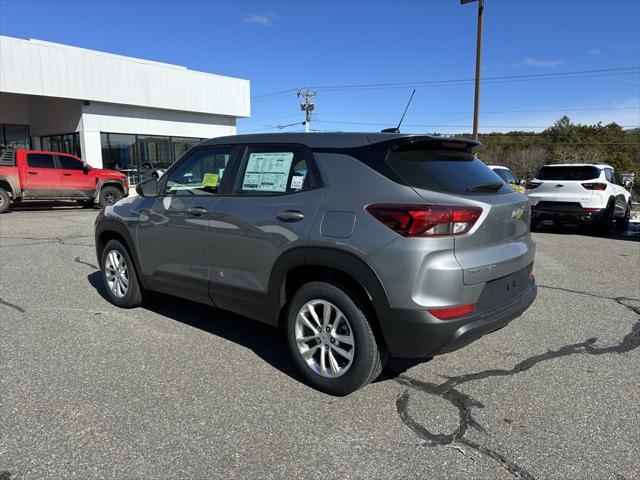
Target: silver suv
x=360 y=246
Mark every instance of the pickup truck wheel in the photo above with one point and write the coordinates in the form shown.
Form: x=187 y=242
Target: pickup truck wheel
x=119 y=276
x=331 y=340
x=5 y=200
x=109 y=195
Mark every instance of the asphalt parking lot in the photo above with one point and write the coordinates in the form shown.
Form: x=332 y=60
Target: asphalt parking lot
x=177 y=390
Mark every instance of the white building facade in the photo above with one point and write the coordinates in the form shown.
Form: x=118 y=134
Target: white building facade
x=115 y=112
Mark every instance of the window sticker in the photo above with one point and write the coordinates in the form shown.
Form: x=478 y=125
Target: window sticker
x=210 y=180
x=297 y=182
x=268 y=172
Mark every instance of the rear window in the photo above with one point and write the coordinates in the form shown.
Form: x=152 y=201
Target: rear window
x=568 y=173
x=448 y=171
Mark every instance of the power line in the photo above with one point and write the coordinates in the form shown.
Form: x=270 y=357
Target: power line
x=461 y=81
x=443 y=126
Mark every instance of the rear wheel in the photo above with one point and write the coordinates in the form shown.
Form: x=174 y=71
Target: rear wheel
x=623 y=223
x=109 y=195
x=5 y=200
x=119 y=276
x=331 y=340
x=606 y=222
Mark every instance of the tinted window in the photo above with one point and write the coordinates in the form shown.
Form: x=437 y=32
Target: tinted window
x=568 y=173
x=40 y=160
x=201 y=173
x=69 y=163
x=276 y=170
x=447 y=171
x=506 y=175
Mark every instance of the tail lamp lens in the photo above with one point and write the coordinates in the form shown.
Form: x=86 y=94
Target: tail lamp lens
x=531 y=185
x=451 y=312
x=426 y=220
x=595 y=186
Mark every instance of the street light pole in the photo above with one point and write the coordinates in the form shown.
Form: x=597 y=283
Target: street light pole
x=476 y=99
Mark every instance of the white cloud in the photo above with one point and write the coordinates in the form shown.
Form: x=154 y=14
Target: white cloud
x=594 y=51
x=265 y=19
x=532 y=62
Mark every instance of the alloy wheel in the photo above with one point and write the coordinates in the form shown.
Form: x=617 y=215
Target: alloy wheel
x=324 y=338
x=117 y=273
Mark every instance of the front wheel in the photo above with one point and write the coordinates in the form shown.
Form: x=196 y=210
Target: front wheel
x=331 y=339
x=5 y=200
x=119 y=275
x=109 y=195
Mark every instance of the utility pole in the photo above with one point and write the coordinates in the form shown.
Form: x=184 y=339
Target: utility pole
x=476 y=99
x=307 y=105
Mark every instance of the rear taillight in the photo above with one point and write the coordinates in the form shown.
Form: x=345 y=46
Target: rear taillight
x=426 y=220
x=451 y=312
x=594 y=186
x=530 y=185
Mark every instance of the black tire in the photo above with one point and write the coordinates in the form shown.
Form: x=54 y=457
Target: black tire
x=109 y=195
x=86 y=203
x=370 y=354
x=5 y=200
x=606 y=222
x=133 y=296
x=623 y=223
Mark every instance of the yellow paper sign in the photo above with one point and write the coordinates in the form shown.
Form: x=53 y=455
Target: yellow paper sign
x=210 y=180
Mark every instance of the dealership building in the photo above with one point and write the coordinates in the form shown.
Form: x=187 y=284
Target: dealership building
x=115 y=112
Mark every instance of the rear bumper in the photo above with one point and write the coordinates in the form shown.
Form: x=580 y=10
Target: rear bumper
x=416 y=334
x=565 y=211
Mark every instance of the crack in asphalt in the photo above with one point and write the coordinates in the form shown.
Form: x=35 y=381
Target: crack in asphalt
x=17 y=308
x=82 y=262
x=46 y=240
x=465 y=403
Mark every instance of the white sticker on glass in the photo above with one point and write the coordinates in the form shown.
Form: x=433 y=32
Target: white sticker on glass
x=267 y=172
x=297 y=182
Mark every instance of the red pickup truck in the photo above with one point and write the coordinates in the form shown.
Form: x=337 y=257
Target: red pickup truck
x=38 y=175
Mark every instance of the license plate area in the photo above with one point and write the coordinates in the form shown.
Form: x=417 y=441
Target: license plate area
x=503 y=290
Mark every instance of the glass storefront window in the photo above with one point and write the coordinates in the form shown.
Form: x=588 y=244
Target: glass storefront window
x=15 y=136
x=65 y=143
x=142 y=156
x=182 y=144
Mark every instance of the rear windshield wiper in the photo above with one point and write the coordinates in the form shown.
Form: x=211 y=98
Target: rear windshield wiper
x=492 y=186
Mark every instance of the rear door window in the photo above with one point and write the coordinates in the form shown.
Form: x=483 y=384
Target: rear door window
x=577 y=173
x=40 y=160
x=506 y=175
x=449 y=171
x=276 y=170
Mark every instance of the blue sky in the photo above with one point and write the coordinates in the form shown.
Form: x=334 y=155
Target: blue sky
x=287 y=45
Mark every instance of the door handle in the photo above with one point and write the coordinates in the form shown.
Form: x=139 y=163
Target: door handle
x=559 y=185
x=290 y=216
x=32 y=173
x=197 y=211
x=66 y=174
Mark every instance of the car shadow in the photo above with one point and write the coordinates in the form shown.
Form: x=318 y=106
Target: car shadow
x=266 y=342
x=631 y=233
x=42 y=205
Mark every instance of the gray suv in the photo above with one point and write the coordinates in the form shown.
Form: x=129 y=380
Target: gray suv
x=360 y=246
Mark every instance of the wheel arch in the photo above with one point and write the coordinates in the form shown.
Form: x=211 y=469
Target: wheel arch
x=109 y=183
x=300 y=266
x=112 y=230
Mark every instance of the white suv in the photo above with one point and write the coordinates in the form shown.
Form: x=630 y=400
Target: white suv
x=579 y=192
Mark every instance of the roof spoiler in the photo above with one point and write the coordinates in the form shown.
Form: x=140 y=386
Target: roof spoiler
x=437 y=143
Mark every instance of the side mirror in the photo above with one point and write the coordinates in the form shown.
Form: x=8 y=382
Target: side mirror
x=522 y=182
x=628 y=183
x=148 y=188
